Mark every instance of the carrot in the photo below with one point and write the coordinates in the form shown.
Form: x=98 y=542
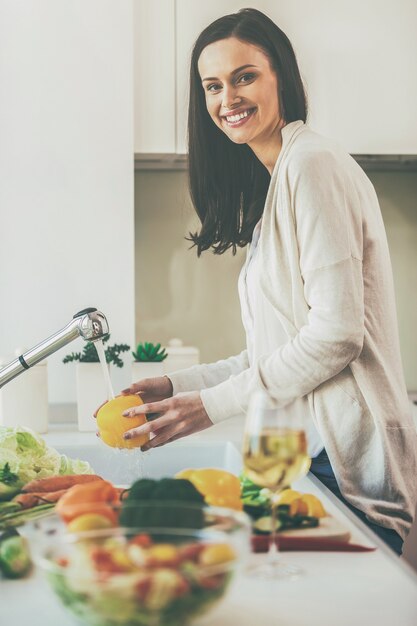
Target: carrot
x=30 y=500
x=53 y=496
x=57 y=483
x=96 y=497
x=26 y=500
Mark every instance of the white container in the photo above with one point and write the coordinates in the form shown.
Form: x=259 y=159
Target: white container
x=179 y=356
x=147 y=369
x=91 y=393
x=24 y=400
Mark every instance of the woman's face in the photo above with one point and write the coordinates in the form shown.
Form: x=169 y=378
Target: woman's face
x=241 y=90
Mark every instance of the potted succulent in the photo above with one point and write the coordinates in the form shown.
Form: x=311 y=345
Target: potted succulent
x=148 y=361
x=92 y=388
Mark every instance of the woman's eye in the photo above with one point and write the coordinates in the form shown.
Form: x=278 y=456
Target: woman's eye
x=246 y=78
x=213 y=87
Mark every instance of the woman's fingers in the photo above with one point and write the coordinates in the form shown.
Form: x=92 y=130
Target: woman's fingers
x=151 y=444
x=180 y=415
x=154 y=389
x=164 y=436
x=150 y=427
x=149 y=407
x=132 y=390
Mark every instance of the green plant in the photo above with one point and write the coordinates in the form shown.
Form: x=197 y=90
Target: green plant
x=148 y=352
x=90 y=355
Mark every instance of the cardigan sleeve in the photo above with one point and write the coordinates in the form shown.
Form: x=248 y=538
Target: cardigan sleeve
x=325 y=224
x=208 y=375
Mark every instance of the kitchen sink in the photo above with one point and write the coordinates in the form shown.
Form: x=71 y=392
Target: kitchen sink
x=122 y=467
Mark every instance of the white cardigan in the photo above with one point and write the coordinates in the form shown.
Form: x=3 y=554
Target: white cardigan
x=265 y=333
x=328 y=275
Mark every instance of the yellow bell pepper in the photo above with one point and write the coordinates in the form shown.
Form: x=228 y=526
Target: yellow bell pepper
x=219 y=488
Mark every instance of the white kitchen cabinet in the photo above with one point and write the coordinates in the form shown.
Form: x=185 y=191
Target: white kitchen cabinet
x=154 y=76
x=356 y=59
x=66 y=193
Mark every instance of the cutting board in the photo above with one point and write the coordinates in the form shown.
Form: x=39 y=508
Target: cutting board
x=328 y=528
x=330 y=535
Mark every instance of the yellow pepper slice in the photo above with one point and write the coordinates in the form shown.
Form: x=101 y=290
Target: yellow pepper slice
x=219 y=488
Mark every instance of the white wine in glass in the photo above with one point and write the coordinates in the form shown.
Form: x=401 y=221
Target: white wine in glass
x=274 y=456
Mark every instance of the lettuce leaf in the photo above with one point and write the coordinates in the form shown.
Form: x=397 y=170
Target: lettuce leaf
x=27 y=455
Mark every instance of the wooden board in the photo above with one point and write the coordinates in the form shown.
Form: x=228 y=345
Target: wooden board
x=328 y=528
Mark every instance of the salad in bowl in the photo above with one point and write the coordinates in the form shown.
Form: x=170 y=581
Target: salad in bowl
x=151 y=562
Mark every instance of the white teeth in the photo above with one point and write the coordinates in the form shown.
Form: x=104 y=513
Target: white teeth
x=235 y=118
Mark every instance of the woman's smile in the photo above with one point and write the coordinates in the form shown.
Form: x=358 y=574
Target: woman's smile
x=235 y=119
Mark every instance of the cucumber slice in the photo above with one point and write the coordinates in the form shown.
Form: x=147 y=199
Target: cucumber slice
x=263 y=525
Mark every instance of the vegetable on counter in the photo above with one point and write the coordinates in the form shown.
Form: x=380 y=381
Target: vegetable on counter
x=24 y=456
x=9 y=482
x=15 y=561
x=30 y=500
x=27 y=507
x=219 y=488
x=99 y=497
x=294 y=509
x=151 y=503
x=34 y=475
x=58 y=483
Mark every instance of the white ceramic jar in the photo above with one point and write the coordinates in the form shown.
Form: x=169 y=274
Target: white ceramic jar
x=91 y=393
x=179 y=356
x=147 y=369
x=24 y=400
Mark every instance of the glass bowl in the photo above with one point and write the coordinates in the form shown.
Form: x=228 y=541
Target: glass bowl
x=144 y=575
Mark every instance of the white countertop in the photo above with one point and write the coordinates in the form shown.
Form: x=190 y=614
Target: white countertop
x=337 y=588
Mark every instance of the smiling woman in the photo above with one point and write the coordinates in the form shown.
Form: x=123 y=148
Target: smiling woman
x=316 y=290
x=239 y=67
x=237 y=98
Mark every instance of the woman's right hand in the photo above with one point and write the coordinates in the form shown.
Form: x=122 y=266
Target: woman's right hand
x=151 y=389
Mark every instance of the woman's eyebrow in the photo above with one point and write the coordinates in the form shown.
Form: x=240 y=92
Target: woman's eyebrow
x=238 y=69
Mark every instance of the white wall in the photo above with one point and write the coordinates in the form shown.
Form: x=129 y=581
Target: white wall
x=66 y=174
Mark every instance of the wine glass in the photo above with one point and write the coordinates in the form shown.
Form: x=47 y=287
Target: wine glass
x=274 y=455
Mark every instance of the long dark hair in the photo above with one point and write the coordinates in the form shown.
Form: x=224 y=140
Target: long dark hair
x=227 y=182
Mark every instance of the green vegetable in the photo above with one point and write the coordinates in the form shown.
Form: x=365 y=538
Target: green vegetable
x=257 y=504
x=12 y=518
x=25 y=455
x=147 y=352
x=263 y=525
x=158 y=504
x=256 y=500
x=15 y=559
x=9 y=483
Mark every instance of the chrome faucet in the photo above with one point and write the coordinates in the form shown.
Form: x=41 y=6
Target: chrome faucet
x=89 y=324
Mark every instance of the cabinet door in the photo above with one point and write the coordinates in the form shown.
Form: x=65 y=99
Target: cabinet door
x=154 y=71
x=355 y=58
x=66 y=202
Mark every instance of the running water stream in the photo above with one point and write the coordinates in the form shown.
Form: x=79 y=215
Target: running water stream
x=133 y=464
x=102 y=356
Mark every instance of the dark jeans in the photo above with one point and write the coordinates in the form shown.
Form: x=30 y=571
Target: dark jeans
x=321 y=468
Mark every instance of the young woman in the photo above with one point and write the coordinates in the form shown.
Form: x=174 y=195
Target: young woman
x=316 y=291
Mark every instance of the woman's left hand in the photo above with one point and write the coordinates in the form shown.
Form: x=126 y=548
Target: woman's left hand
x=178 y=416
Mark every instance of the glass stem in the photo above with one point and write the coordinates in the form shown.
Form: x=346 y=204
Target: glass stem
x=273 y=550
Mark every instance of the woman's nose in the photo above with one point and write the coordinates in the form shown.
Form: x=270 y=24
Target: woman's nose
x=230 y=97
